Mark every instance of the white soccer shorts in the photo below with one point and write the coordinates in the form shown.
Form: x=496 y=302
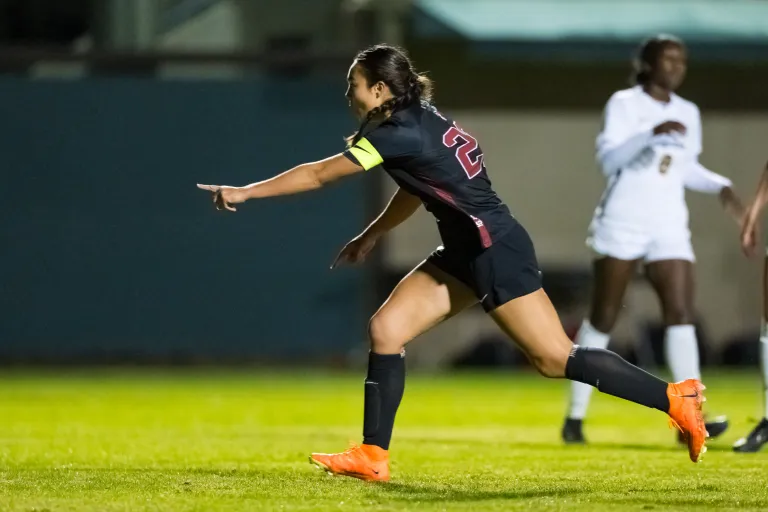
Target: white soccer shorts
x=624 y=243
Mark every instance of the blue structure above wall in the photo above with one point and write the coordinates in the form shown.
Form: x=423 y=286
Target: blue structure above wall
x=588 y=29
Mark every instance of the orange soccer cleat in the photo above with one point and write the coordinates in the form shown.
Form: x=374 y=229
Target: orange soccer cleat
x=366 y=462
x=685 y=399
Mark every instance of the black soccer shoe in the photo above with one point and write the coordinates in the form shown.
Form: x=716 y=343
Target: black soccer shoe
x=715 y=427
x=572 y=433
x=755 y=440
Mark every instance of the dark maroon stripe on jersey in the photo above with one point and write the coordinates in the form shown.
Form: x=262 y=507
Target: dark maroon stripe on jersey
x=445 y=196
x=485 y=236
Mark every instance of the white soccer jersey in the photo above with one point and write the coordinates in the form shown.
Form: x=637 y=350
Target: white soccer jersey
x=647 y=174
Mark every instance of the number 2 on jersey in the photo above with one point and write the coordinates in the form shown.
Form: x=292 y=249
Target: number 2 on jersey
x=466 y=145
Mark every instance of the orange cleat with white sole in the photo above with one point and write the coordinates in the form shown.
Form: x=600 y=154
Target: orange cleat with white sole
x=366 y=462
x=685 y=399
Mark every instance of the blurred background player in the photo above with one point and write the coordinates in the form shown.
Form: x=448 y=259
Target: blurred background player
x=755 y=440
x=487 y=257
x=648 y=151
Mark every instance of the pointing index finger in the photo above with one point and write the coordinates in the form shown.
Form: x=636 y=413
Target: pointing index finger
x=339 y=258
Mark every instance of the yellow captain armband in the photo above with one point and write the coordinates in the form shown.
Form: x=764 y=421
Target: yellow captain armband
x=366 y=154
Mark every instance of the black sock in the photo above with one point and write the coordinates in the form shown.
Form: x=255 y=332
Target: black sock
x=611 y=374
x=384 y=388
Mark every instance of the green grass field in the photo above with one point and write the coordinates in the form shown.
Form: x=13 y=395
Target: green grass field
x=234 y=440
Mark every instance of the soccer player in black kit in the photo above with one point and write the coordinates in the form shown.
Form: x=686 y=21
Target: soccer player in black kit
x=486 y=257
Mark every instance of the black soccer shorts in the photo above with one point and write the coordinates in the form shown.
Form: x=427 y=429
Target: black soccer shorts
x=504 y=271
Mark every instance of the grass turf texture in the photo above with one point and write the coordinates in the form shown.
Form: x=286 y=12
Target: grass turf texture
x=214 y=440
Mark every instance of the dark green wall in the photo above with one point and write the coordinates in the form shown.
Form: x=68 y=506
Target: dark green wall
x=503 y=78
x=109 y=250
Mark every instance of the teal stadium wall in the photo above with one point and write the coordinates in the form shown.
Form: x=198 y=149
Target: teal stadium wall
x=110 y=252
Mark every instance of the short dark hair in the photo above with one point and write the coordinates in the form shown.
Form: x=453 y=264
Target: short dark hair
x=648 y=55
x=392 y=66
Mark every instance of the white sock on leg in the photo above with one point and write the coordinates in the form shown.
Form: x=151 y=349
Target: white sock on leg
x=590 y=337
x=682 y=352
x=764 y=364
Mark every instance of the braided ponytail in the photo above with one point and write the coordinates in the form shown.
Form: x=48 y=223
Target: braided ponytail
x=391 y=66
x=419 y=88
x=386 y=107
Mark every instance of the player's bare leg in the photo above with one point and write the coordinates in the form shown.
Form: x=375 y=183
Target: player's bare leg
x=533 y=323
x=674 y=283
x=611 y=278
x=758 y=437
x=423 y=299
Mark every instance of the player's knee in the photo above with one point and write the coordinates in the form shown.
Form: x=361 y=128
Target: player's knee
x=384 y=335
x=550 y=364
x=603 y=319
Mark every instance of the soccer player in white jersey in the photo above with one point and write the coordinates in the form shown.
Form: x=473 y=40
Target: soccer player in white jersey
x=648 y=150
x=755 y=440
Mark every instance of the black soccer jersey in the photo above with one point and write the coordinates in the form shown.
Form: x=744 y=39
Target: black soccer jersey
x=431 y=157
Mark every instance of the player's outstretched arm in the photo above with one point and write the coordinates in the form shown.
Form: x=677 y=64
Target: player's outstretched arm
x=701 y=179
x=761 y=196
x=400 y=207
x=749 y=227
x=302 y=178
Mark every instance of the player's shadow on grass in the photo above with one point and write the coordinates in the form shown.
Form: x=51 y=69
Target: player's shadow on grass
x=558 y=446
x=429 y=493
x=630 y=446
x=651 y=447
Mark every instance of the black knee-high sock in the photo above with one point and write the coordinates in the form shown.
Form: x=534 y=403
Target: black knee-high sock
x=611 y=374
x=384 y=388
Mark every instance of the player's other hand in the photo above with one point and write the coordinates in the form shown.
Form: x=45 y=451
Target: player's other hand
x=669 y=127
x=749 y=232
x=224 y=197
x=356 y=250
